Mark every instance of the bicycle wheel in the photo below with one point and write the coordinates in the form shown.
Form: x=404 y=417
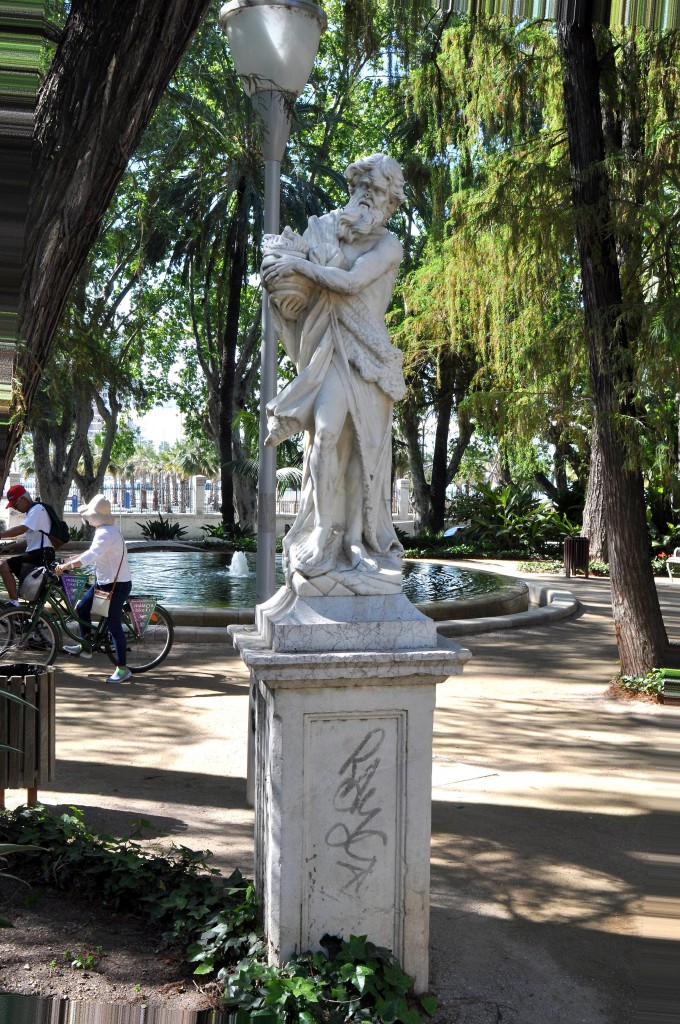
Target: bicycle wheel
x=143 y=652
x=20 y=643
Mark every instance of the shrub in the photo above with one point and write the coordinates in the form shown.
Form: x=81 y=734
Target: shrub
x=660 y=564
x=240 y=537
x=511 y=519
x=652 y=683
x=551 y=566
x=161 y=529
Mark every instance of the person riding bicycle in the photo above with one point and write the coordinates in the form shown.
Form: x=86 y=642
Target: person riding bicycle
x=36 y=526
x=108 y=554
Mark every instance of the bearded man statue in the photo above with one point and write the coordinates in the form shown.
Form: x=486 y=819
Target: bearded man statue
x=329 y=291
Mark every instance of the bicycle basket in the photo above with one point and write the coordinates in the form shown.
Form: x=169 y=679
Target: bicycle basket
x=142 y=607
x=33 y=584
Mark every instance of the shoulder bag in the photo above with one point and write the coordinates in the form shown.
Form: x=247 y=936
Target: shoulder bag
x=101 y=602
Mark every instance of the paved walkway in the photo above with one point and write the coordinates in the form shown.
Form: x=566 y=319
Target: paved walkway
x=551 y=802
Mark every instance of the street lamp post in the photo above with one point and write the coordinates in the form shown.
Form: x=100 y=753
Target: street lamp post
x=273 y=44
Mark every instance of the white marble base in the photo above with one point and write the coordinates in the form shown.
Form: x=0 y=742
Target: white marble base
x=343 y=793
x=345 y=582
x=289 y=622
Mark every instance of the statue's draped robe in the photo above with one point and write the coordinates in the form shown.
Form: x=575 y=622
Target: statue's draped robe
x=340 y=331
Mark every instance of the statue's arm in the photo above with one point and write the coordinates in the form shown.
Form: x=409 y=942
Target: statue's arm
x=372 y=266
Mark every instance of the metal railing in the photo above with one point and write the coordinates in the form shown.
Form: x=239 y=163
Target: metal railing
x=164 y=497
x=161 y=496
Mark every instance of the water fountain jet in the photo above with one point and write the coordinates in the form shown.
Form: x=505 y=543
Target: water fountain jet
x=239 y=565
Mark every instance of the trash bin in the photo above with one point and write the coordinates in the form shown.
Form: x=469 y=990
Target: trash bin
x=576 y=555
x=31 y=730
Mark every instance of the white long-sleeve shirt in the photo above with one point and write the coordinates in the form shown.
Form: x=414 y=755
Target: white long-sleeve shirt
x=105 y=551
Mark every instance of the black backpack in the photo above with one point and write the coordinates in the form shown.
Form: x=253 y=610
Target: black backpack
x=59 y=533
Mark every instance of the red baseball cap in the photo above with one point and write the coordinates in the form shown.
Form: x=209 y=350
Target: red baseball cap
x=14 y=493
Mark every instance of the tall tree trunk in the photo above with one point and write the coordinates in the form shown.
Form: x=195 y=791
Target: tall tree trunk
x=594 y=519
x=410 y=428
x=58 y=447
x=108 y=74
x=245 y=492
x=237 y=272
x=91 y=479
x=638 y=624
x=440 y=455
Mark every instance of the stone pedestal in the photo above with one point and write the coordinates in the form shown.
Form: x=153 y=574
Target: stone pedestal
x=343 y=771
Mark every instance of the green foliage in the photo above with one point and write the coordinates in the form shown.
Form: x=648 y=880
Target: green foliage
x=82 y=961
x=512 y=519
x=664 y=540
x=77 y=532
x=553 y=566
x=352 y=981
x=178 y=893
x=595 y=568
x=161 y=529
x=10 y=848
x=652 y=683
x=660 y=564
x=429 y=544
x=240 y=537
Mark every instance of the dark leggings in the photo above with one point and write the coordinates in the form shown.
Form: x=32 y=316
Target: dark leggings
x=84 y=609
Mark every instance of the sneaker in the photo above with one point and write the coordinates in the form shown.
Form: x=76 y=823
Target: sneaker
x=77 y=650
x=120 y=676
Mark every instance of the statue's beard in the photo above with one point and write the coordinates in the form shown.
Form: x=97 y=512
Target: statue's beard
x=355 y=220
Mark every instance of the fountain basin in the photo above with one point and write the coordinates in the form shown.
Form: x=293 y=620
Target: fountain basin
x=206 y=580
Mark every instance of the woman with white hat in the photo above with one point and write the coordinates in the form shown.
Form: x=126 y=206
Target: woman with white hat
x=108 y=553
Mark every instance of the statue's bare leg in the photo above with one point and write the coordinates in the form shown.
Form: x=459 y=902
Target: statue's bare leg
x=330 y=414
x=352 y=544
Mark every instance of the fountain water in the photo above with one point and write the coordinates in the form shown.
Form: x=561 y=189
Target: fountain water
x=239 y=565
x=211 y=579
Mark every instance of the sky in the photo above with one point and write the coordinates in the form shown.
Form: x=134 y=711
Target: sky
x=164 y=423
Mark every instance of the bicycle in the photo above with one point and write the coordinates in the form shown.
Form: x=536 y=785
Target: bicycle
x=31 y=632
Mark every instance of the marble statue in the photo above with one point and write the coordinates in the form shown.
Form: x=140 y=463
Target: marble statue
x=329 y=290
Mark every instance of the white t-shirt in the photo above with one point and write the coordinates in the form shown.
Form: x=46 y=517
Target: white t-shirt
x=37 y=519
x=108 y=552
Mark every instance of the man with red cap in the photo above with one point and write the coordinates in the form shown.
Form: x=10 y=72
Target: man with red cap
x=36 y=526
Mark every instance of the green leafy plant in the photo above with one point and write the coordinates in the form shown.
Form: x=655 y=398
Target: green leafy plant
x=76 y=533
x=553 y=566
x=83 y=961
x=512 y=518
x=178 y=893
x=506 y=522
x=595 y=568
x=664 y=539
x=216 y=920
x=5 y=849
x=351 y=980
x=241 y=537
x=161 y=529
x=660 y=564
x=435 y=545
x=652 y=683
